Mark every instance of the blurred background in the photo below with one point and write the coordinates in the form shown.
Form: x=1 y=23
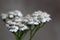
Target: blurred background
x=51 y=31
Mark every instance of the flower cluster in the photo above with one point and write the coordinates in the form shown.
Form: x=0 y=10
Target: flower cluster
x=16 y=21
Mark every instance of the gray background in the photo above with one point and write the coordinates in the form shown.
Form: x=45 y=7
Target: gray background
x=51 y=31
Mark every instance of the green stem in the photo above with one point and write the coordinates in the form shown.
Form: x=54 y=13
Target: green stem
x=25 y=32
x=36 y=28
x=22 y=33
x=30 y=33
x=16 y=36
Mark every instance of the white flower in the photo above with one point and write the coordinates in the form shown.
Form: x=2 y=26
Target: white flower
x=42 y=16
x=11 y=22
x=31 y=20
x=23 y=27
x=37 y=14
x=4 y=16
x=36 y=20
x=18 y=13
x=45 y=17
x=11 y=16
x=18 y=19
x=7 y=25
x=33 y=23
x=25 y=20
x=12 y=13
x=15 y=20
x=13 y=28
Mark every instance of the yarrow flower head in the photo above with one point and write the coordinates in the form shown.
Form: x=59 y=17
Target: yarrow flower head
x=30 y=20
x=42 y=16
x=12 y=19
x=16 y=21
x=45 y=17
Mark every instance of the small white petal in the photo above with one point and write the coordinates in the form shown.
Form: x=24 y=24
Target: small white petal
x=30 y=22
x=36 y=23
x=43 y=20
x=18 y=13
x=7 y=25
x=46 y=20
x=14 y=29
x=25 y=20
x=18 y=20
x=37 y=14
x=33 y=23
x=23 y=28
x=11 y=22
x=11 y=16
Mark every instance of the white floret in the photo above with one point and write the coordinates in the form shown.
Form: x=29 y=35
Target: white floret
x=45 y=17
x=11 y=16
x=23 y=27
x=11 y=22
x=13 y=28
x=18 y=19
x=7 y=25
x=31 y=20
x=18 y=13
